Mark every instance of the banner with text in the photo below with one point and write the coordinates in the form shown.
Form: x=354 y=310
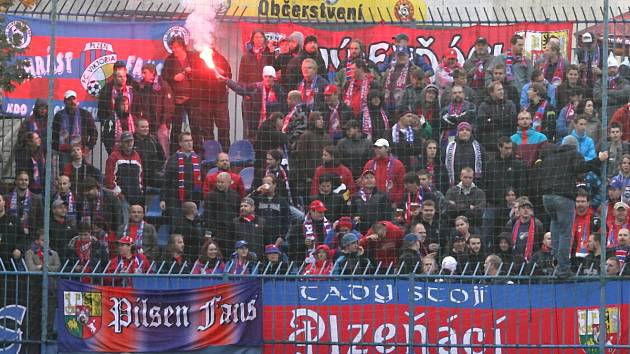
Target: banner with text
x=430 y=43
x=440 y=317
x=109 y=319
x=332 y=10
x=86 y=52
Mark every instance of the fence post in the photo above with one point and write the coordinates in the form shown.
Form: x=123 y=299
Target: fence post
x=602 y=258
x=47 y=187
x=411 y=311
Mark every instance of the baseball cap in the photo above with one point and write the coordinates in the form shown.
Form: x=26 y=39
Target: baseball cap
x=615 y=184
x=126 y=136
x=401 y=36
x=69 y=93
x=240 y=243
x=344 y=222
x=269 y=71
x=410 y=239
x=621 y=205
x=318 y=206
x=348 y=239
x=330 y=90
x=449 y=263
x=587 y=38
x=382 y=143
x=57 y=202
x=270 y=249
x=125 y=240
x=451 y=54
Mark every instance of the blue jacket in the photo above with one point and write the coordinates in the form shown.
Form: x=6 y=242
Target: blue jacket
x=533 y=137
x=586 y=146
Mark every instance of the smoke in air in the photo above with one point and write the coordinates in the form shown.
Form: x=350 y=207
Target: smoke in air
x=200 y=22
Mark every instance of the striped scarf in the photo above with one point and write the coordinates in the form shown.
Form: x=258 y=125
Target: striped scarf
x=409 y=135
x=14 y=208
x=530 y=236
x=450 y=160
x=181 y=174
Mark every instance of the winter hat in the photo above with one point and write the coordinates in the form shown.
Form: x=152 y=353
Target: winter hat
x=348 y=239
x=298 y=37
x=464 y=125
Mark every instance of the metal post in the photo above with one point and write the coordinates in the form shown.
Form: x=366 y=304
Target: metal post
x=602 y=258
x=47 y=186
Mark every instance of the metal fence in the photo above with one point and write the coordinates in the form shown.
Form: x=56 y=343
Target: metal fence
x=20 y=286
x=296 y=304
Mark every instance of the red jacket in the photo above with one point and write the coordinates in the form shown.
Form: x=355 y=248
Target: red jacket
x=396 y=172
x=339 y=170
x=386 y=250
x=237 y=183
x=119 y=166
x=622 y=117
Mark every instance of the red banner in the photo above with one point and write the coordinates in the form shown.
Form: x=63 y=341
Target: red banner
x=431 y=43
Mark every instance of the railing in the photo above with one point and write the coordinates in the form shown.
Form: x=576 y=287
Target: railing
x=409 y=306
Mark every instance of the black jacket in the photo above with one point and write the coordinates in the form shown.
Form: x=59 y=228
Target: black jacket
x=89 y=134
x=377 y=208
x=220 y=208
x=152 y=155
x=495 y=118
x=501 y=174
x=559 y=169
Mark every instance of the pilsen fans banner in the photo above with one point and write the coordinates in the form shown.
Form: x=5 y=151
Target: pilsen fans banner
x=116 y=319
x=86 y=52
x=443 y=317
x=298 y=314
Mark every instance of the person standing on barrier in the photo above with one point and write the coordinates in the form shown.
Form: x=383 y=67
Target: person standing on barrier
x=352 y=260
x=560 y=167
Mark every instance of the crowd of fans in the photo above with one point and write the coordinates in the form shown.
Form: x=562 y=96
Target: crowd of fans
x=491 y=166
